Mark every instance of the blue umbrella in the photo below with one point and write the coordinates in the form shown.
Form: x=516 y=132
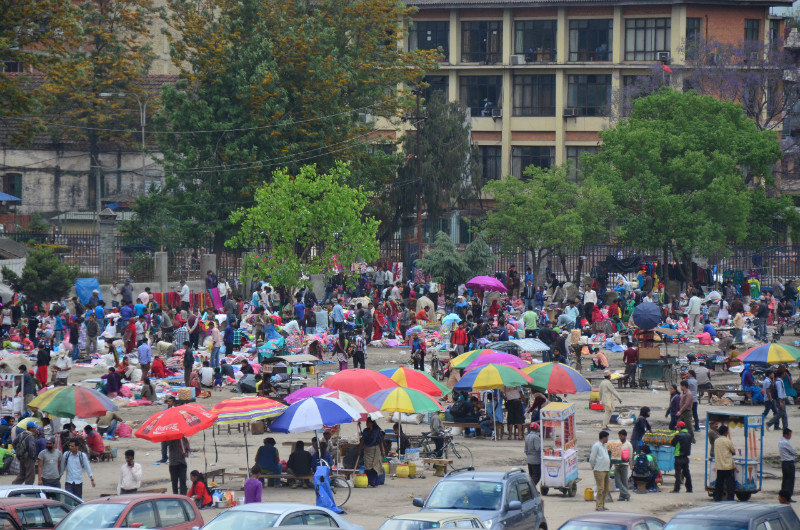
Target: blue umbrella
x=313 y=413
x=647 y=315
x=449 y=319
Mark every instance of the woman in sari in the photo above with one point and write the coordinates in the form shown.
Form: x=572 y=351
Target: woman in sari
x=378 y=322
x=373 y=448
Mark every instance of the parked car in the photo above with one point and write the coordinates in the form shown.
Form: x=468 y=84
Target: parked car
x=143 y=510
x=501 y=499
x=613 y=521
x=29 y=513
x=427 y=520
x=41 y=492
x=736 y=516
x=276 y=514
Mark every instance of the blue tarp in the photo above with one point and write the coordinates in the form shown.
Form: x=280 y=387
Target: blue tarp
x=84 y=288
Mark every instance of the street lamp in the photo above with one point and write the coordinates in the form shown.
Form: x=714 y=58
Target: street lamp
x=142 y=114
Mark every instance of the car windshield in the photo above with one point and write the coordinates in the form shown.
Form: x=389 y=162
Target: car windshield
x=237 y=520
x=582 y=525
x=408 y=524
x=101 y=515
x=694 y=524
x=466 y=495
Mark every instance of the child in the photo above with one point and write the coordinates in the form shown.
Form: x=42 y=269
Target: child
x=253 y=486
x=218 y=378
x=199 y=491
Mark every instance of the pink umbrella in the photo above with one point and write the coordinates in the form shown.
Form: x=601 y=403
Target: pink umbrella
x=359 y=404
x=486 y=283
x=505 y=359
x=308 y=391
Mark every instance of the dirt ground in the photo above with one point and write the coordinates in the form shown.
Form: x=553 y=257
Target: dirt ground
x=370 y=507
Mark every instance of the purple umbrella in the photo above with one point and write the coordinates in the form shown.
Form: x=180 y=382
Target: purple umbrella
x=308 y=391
x=486 y=283
x=505 y=359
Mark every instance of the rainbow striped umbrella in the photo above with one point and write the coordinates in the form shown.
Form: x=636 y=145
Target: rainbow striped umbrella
x=410 y=378
x=497 y=358
x=73 y=402
x=770 y=354
x=406 y=400
x=492 y=376
x=246 y=409
x=463 y=360
x=557 y=378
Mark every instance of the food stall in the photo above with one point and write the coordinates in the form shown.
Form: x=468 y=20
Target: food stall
x=747 y=434
x=559 y=449
x=660 y=443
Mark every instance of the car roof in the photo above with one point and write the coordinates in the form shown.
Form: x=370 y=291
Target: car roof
x=135 y=497
x=274 y=507
x=731 y=511
x=21 y=502
x=615 y=517
x=434 y=517
x=496 y=476
x=25 y=487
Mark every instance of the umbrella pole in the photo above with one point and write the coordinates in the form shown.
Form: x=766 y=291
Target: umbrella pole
x=216 y=450
x=246 y=448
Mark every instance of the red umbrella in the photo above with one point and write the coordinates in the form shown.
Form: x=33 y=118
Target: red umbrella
x=359 y=382
x=176 y=422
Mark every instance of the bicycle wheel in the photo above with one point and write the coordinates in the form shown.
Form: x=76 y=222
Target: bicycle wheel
x=341 y=490
x=459 y=454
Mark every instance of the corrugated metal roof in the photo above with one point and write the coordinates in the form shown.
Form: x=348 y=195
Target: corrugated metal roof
x=565 y=3
x=88 y=216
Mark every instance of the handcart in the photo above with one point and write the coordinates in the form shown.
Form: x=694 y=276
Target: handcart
x=747 y=433
x=559 y=449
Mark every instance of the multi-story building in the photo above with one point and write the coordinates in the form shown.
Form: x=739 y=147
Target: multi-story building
x=538 y=76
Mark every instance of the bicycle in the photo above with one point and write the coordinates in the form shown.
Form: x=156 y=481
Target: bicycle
x=459 y=454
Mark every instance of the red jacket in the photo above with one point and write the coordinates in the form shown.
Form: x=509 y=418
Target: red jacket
x=460 y=337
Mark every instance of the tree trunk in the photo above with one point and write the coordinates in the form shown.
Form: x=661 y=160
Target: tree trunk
x=563 y=259
x=579 y=271
x=219 y=242
x=94 y=172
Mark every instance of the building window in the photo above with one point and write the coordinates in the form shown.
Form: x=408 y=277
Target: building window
x=541 y=156
x=590 y=40
x=481 y=42
x=465 y=235
x=436 y=83
x=574 y=153
x=490 y=162
x=645 y=37
x=773 y=99
x=12 y=67
x=536 y=40
x=12 y=184
x=590 y=94
x=694 y=36
x=429 y=36
x=752 y=30
x=481 y=93
x=534 y=95
x=774 y=33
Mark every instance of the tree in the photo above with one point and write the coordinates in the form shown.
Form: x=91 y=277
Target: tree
x=675 y=170
x=444 y=264
x=44 y=277
x=275 y=83
x=305 y=223
x=546 y=213
x=449 y=172
x=478 y=257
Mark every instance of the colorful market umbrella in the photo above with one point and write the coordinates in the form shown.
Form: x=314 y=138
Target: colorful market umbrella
x=176 y=422
x=449 y=319
x=505 y=359
x=490 y=377
x=557 y=378
x=359 y=382
x=359 y=404
x=405 y=400
x=463 y=360
x=313 y=413
x=416 y=379
x=770 y=354
x=486 y=283
x=246 y=409
x=73 y=402
x=306 y=391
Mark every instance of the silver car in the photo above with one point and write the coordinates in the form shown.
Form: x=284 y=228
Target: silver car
x=277 y=514
x=41 y=492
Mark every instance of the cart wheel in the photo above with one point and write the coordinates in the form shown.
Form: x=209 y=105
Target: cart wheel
x=573 y=490
x=544 y=490
x=743 y=495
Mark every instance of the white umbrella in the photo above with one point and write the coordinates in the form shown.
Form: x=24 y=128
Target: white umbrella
x=360 y=405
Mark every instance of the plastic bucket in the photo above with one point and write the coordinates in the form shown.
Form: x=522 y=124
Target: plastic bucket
x=361 y=481
x=386 y=468
x=402 y=470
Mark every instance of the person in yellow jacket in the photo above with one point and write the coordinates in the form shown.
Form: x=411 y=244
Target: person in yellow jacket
x=607 y=396
x=723 y=459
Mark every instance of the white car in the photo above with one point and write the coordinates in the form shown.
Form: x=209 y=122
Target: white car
x=42 y=492
x=277 y=514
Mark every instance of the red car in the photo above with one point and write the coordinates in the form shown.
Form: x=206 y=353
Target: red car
x=25 y=513
x=145 y=510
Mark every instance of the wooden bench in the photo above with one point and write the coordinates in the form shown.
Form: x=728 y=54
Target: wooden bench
x=719 y=392
x=287 y=477
x=462 y=425
x=214 y=473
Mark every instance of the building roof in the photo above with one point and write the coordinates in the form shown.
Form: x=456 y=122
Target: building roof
x=565 y=3
x=10 y=249
x=88 y=217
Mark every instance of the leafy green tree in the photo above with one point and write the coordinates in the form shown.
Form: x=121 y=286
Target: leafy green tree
x=444 y=263
x=676 y=171
x=44 y=278
x=478 y=257
x=276 y=83
x=305 y=222
x=546 y=213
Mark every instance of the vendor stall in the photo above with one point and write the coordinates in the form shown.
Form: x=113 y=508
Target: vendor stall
x=747 y=434
x=559 y=449
x=660 y=443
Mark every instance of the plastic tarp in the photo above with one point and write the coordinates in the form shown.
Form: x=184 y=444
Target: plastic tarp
x=322 y=487
x=84 y=288
x=626 y=265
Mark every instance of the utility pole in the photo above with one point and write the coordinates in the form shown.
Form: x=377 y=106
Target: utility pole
x=418 y=117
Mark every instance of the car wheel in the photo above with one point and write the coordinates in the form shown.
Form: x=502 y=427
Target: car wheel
x=573 y=490
x=544 y=490
x=743 y=495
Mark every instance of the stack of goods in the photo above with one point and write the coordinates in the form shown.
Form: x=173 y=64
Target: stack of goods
x=659 y=437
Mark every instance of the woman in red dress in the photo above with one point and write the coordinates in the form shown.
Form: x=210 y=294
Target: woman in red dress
x=378 y=321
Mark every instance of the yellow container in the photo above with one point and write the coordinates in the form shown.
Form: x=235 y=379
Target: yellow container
x=402 y=470
x=386 y=468
x=361 y=481
x=312 y=370
x=594 y=396
x=588 y=494
x=412 y=469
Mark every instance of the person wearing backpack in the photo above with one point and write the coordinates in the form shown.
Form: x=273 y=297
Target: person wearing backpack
x=74 y=463
x=25 y=451
x=682 y=443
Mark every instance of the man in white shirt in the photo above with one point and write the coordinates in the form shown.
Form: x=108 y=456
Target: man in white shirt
x=788 y=455
x=600 y=462
x=623 y=467
x=693 y=308
x=396 y=292
x=130 y=475
x=590 y=296
x=224 y=288
x=207 y=375
x=184 y=293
